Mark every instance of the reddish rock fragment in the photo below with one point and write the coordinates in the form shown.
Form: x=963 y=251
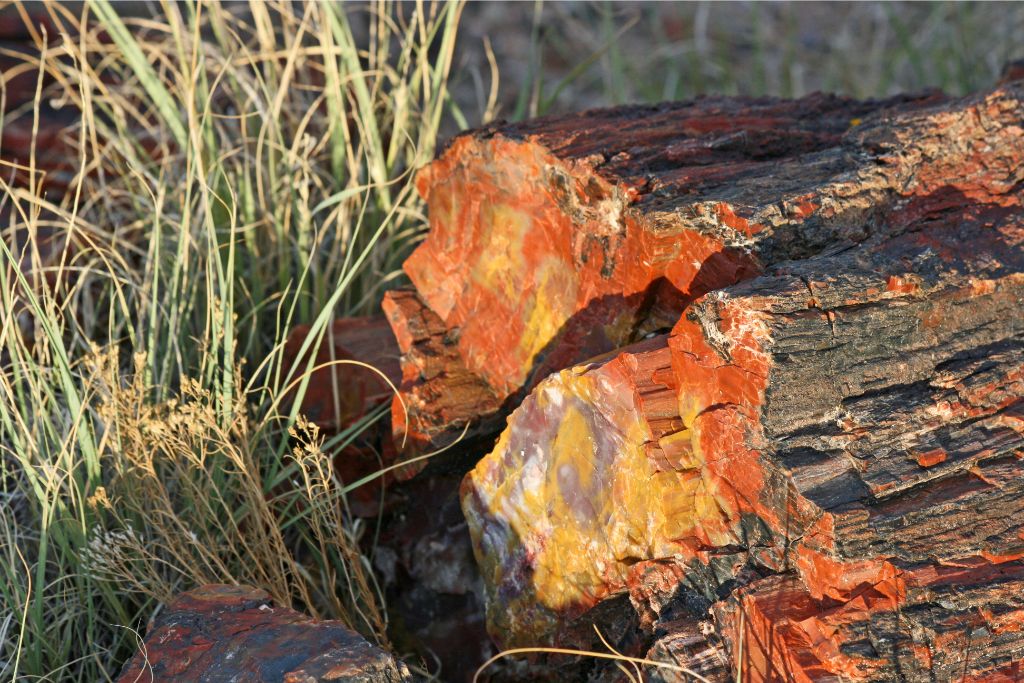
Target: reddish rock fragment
x=558 y=239
x=931 y=458
x=342 y=389
x=235 y=633
x=778 y=421
x=956 y=623
x=43 y=248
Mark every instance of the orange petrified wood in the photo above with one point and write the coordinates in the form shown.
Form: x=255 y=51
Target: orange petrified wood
x=559 y=239
x=786 y=425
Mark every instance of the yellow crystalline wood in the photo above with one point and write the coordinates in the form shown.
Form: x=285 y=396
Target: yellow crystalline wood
x=581 y=498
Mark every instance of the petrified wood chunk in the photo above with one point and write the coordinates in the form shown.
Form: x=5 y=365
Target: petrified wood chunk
x=437 y=391
x=848 y=416
x=558 y=239
x=235 y=633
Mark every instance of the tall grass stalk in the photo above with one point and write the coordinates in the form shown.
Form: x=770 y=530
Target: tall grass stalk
x=241 y=169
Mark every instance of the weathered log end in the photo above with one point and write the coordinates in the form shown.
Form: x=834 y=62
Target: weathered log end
x=439 y=399
x=537 y=224
x=602 y=467
x=568 y=498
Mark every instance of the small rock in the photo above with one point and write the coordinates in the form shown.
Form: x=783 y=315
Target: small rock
x=235 y=633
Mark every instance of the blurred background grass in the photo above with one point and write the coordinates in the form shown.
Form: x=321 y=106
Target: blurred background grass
x=235 y=169
x=565 y=56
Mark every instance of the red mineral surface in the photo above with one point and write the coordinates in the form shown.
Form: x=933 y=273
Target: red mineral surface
x=961 y=622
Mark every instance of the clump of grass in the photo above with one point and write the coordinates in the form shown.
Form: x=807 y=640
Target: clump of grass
x=191 y=506
x=241 y=169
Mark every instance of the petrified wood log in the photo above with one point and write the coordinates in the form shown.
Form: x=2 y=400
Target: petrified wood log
x=558 y=239
x=850 y=418
x=235 y=633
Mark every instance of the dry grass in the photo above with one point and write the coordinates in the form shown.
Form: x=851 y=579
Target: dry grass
x=240 y=169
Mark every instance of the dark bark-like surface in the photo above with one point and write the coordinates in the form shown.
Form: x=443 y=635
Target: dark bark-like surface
x=688 y=644
x=437 y=391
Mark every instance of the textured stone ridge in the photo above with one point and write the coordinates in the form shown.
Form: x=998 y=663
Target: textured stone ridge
x=848 y=418
x=235 y=633
x=436 y=388
x=559 y=239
